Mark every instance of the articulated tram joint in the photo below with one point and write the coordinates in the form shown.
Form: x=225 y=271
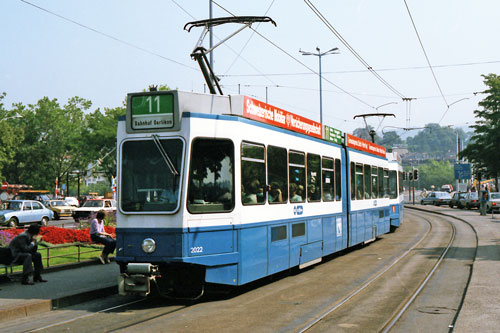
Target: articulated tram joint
x=136 y=280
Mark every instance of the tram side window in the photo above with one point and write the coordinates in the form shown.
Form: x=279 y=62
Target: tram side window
x=353 y=181
x=253 y=174
x=211 y=178
x=296 y=176
x=338 y=180
x=393 y=184
x=313 y=177
x=386 y=183
x=374 y=182
x=380 y=182
x=367 y=173
x=400 y=183
x=359 y=182
x=277 y=174
x=328 y=177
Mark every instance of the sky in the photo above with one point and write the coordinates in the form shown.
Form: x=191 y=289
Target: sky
x=428 y=54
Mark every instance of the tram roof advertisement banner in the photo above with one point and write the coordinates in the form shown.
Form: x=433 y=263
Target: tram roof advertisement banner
x=364 y=145
x=257 y=110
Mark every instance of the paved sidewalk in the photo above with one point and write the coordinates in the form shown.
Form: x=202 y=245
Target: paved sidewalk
x=65 y=287
x=481 y=308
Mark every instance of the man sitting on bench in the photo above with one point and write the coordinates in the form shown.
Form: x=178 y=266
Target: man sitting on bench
x=23 y=248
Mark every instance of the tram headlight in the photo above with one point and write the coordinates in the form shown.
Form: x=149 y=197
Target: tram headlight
x=148 y=245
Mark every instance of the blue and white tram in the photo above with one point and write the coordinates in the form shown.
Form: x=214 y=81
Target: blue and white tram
x=396 y=202
x=208 y=194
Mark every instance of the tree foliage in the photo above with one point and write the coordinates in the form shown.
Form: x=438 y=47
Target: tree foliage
x=483 y=150
x=49 y=141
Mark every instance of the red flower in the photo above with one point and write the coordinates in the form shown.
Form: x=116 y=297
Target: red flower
x=56 y=235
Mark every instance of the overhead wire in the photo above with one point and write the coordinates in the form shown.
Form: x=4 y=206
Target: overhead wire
x=249 y=38
x=230 y=48
x=351 y=49
x=425 y=54
x=298 y=61
x=365 y=70
x=108 y=35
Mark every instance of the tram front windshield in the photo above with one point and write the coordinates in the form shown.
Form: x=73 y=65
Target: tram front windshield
x=150 y=175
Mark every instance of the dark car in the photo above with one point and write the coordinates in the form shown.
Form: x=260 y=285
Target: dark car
x=455 y=199
x=471 y=200
x=436 y=198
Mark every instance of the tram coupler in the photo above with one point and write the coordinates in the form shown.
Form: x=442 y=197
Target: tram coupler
x=137 y=279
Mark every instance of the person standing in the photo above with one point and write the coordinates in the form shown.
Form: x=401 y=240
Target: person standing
x=24 y=251
x=99 y=235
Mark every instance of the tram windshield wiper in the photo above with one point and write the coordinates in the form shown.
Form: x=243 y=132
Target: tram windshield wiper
x=164 y=154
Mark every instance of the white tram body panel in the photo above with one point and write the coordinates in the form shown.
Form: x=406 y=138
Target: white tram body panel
x=226 y=199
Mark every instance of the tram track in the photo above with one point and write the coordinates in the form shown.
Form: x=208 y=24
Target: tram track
x=394 y=318
x=290 y=302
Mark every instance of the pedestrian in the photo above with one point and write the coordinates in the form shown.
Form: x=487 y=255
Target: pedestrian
x=100 y=236
x=24 y=251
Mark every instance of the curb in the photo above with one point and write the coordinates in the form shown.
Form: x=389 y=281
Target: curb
x=34 y=307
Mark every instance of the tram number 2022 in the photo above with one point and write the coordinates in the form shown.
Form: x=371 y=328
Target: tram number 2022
x=197 y=249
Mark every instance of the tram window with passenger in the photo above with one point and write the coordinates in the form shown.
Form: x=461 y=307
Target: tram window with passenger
x=277 y=174
x=296 y=175
x=156 y=190
x=380 y=182
x=313 y=178
x=328 y=179
x=386 y=183
x=211 y=178
x=253 y=174
x=374 y=182
x=366 y=175
x=393 y=184
x=338 y=180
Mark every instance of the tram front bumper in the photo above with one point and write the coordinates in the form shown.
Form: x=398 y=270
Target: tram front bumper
x=137 y=279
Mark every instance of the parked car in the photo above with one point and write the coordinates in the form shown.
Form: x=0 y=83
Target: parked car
x=19 y=212
x=60 y=208
x=92 y=206
x=436 y=198
x=455 y=199
x=471 y=200
x=72 y=201
x=493 y=203
x=447 y=188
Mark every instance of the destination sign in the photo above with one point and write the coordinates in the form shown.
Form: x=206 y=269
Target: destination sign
x=152 y=111
x=333 y=135
x=257 y=110
x=364 y=145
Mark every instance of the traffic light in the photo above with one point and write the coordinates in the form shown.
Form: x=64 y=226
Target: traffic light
x=415 y=174
x=404 y=175
x=410 y=175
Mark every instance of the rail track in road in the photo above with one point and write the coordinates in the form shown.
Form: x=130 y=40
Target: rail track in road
x=373 y=288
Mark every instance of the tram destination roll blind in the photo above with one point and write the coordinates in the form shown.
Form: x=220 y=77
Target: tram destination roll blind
x=152 y=112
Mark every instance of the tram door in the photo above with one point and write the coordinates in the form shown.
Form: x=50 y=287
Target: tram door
x=278 y=255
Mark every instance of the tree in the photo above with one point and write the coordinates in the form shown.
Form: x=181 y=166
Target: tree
x=47 y=138
x=364 y=133
x=100 y=138
x=389 y=139
x=435 y=173
x=7 y=138
x=483 y=149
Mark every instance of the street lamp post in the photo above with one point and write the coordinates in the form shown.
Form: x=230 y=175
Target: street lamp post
x=319 y=55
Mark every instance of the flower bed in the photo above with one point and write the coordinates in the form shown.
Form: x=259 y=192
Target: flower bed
x=54 y=235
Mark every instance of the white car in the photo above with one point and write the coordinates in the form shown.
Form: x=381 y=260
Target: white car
x=72 y=201
x=91 y=207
